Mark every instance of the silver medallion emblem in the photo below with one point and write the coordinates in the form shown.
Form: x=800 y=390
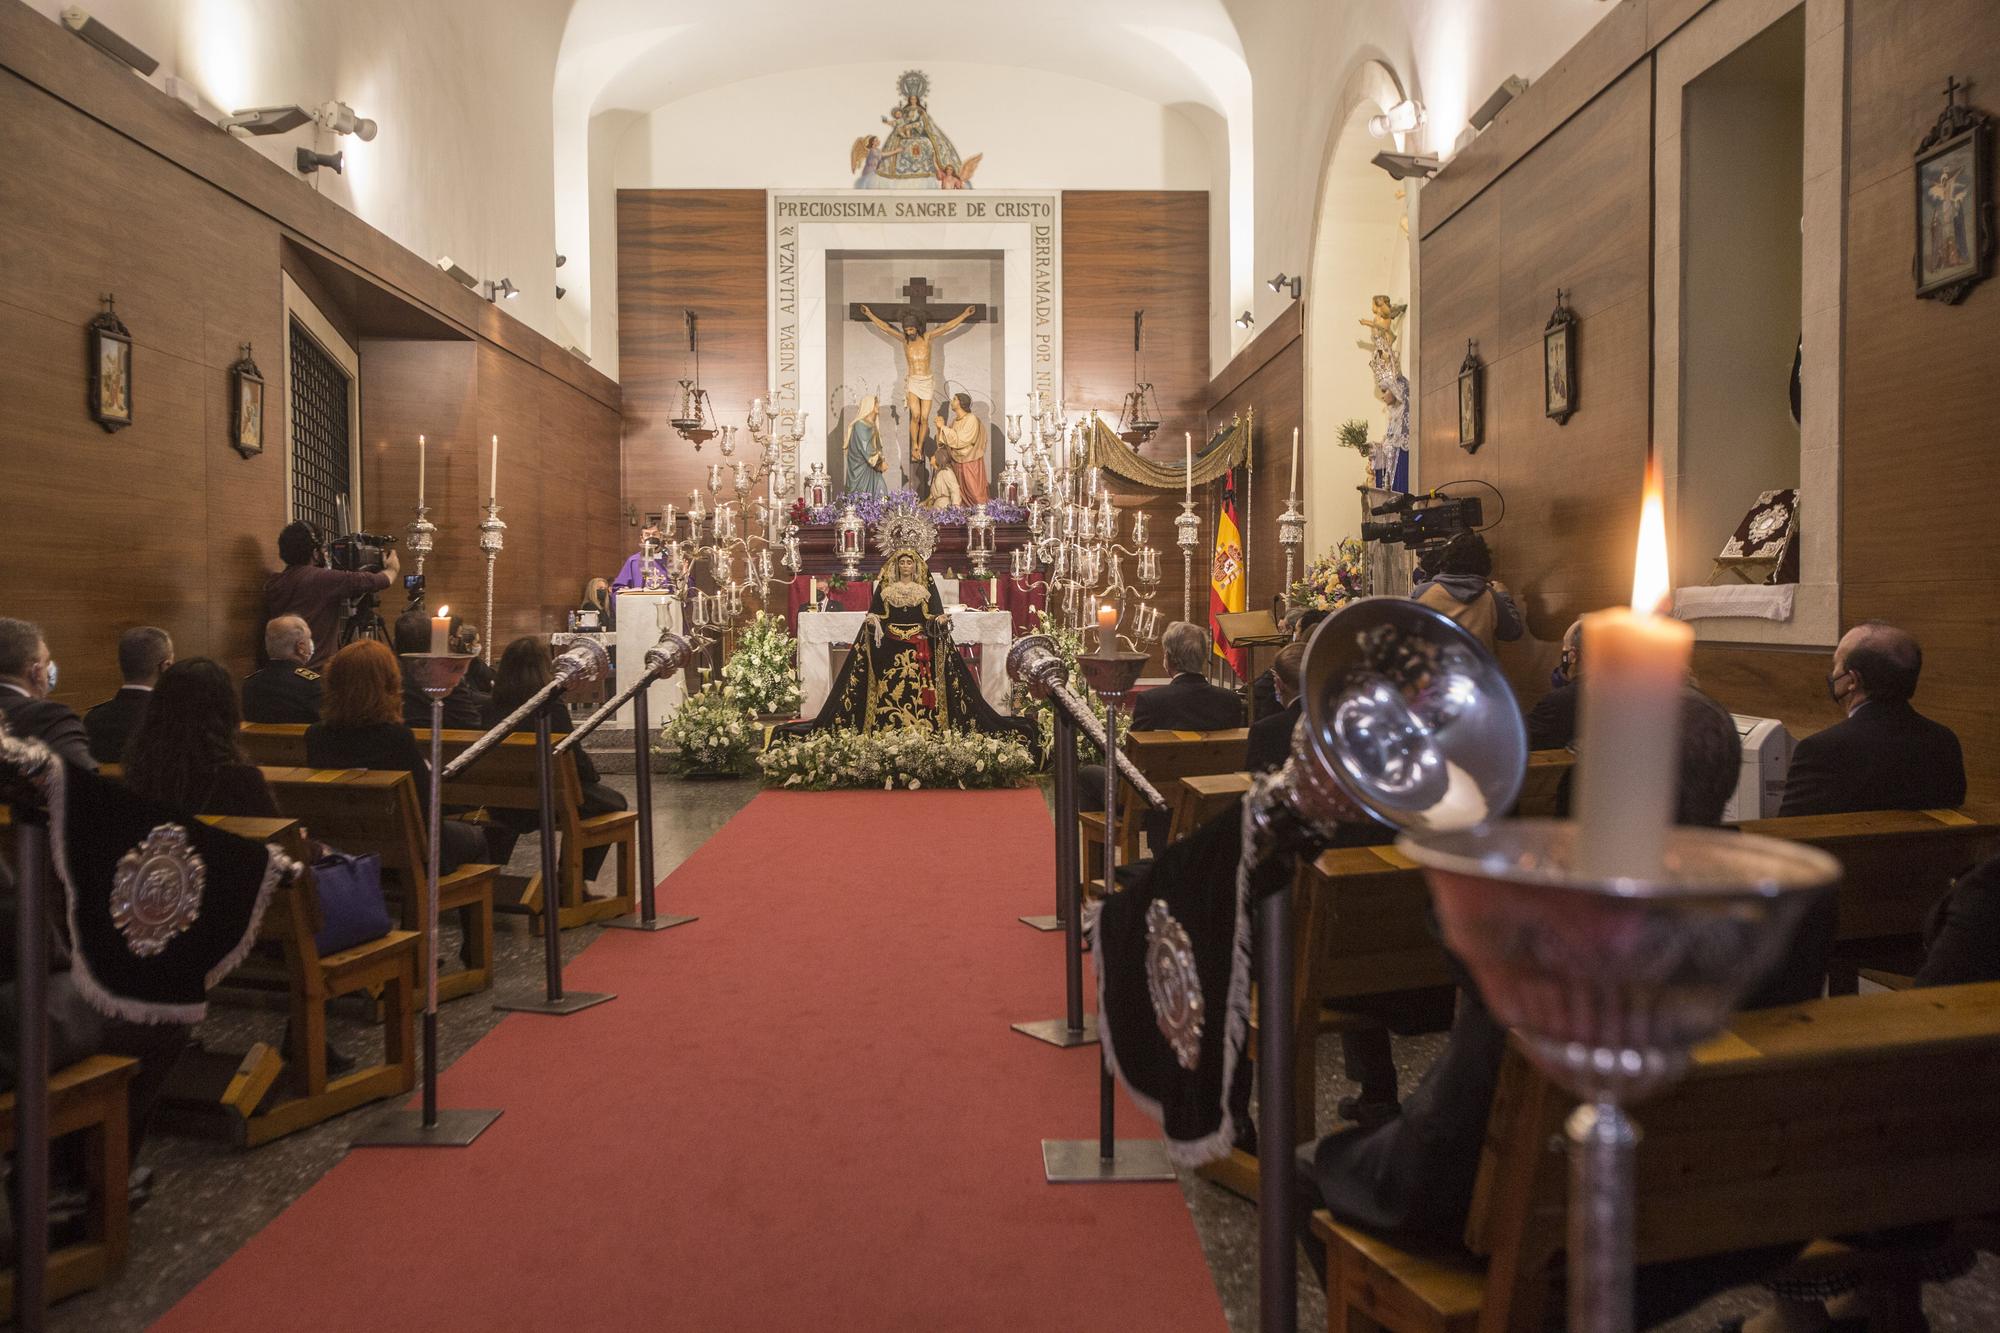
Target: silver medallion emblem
x=156 y=891
x=1174 y=984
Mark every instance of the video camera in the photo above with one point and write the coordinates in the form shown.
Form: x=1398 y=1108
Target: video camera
x=1423 y=522
x=359 y=552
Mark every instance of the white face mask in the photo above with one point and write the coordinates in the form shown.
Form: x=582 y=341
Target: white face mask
x=49 y=683
x=308 y=647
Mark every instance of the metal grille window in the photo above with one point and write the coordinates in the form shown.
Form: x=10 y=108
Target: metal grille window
x=321 y=464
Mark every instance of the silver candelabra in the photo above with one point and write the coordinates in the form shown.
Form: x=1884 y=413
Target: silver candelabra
x=491 y=540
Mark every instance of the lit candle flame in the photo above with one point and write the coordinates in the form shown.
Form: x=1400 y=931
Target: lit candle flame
x=1652 y=583
x=444 y=612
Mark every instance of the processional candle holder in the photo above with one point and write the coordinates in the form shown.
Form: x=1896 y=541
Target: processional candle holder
x=1291 y=536
x=1111 y=674
x=979 y=538
x=437 y=674
x=1187 y=536
x=422 y=535
x=1609 y=981
x=848 y=533
x=817 y=486
x=1014 y=480
x=492 y=540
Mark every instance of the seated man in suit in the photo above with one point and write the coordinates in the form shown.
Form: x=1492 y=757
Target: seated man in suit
x=464 y=707
x=1264 y=690
x=286 y=691
x=1552 y=721
x=27 y=675
x=1187 y=702
x=1886 y=755
x=1271 y=737
x=143 y=653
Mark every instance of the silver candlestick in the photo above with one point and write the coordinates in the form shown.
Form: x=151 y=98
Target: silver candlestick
x=1187 y=535
x=422 y=534
x=1291 y=536
x=491 y=541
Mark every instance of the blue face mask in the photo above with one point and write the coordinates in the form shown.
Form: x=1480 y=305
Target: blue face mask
x=51 y=687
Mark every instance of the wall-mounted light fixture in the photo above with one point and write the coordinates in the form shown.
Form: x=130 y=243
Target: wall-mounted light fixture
x=338 y=117
x=1283 y=282
x=78 y=20
x=1505 y=93
x=561 y=260
x=455 y=273
x=262 y=120
x=503 y=290
x=1401 y=118
x=309 y=161
x=1401 y=166
x=561 y=291
x=1244 y=320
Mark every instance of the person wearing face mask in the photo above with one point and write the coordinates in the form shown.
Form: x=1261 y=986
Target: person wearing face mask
x=1552 y=721
x=287 y=690
x=1886 y=755
x=27 y=678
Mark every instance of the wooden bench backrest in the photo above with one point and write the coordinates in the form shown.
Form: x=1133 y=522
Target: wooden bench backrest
x=292 y=916
x=1546 y=770
x=1165 y=757
x=360 y=811
x=1897 y=862
x=504 y=778
x=274 y=744
x=1839 y=1116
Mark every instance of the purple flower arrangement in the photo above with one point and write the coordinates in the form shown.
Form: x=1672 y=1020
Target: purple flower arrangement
x=871 y=508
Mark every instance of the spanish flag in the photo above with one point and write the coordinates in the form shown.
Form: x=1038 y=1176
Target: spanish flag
x=1225 y=574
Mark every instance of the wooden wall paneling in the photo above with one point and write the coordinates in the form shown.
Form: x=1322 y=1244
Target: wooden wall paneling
x=429 y=388
x=703 y=250
x=1276 y=390
x=1126 y=250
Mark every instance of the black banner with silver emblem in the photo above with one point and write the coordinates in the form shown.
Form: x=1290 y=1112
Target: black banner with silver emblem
x=159 y=907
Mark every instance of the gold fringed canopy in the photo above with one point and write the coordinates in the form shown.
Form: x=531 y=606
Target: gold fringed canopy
x=1227 y=448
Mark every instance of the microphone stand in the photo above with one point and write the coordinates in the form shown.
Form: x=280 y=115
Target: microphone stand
x=669 y=655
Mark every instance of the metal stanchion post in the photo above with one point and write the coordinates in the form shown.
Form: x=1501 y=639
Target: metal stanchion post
x=642 y=783
x=556 y=1002
x=31 y=1097
x=1277 y=1260
x=1104 y=1159
x=438 y=674
x=1074 y=1028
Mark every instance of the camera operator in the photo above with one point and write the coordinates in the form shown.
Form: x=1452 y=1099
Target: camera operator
x=1459 y=581
x=306 y=588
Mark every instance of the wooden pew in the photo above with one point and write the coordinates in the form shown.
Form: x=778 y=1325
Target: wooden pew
x=1546 y=770
x=387 y=965
x=504 y=778
x=1841 y=1116
x=1164 y=757
x=361 y=811
x=90 y=1097
x=273 y=744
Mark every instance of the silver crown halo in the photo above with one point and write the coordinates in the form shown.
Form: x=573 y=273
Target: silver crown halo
x=914 y=83
x=906 y=526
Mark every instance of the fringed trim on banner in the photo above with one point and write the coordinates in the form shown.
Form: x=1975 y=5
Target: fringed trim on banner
x=1215 y=1146
x=276 y=867
x=1227 y=448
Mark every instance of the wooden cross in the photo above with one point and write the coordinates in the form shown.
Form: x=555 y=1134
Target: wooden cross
x=917 y=304
x=1952 y=87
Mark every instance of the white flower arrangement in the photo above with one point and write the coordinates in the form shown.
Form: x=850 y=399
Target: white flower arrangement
x=910 y=760
x=762 y=676
x=709 y=733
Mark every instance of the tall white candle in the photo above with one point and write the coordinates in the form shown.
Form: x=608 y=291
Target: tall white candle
x=1635 y=665
x=493 y=482
x=441 y=632
x=1190 y=467
x=423 y=451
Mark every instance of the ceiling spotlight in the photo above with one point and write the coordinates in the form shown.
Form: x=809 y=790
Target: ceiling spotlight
x=78 y=20
x=1398 y=119
x=1282 y=283
x=261 y=120
x=1401 y=166
x=579 y=354
x=339 y=118
x=309 y=161
x=561 y=291
x=454 y=272
x=561 y=260
x=503 y=290
x=1245 y=320
x=1505 y=93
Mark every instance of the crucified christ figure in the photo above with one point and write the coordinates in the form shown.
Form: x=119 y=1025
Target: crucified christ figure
x=919 y=385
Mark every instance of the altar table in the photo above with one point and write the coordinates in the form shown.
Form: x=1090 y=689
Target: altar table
x=1020 y=603
x=988 y=632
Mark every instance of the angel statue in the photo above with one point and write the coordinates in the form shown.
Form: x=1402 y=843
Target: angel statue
x=916 y=154
x=1389 y=461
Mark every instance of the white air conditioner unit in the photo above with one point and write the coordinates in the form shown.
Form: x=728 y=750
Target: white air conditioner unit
x=1767 y=757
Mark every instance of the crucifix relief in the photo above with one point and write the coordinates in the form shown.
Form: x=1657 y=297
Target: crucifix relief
x=910 y=324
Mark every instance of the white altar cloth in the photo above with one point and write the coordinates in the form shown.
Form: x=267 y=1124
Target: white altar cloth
x=819 y=631
x=641 y=617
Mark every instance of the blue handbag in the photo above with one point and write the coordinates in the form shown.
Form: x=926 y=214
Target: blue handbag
x=351 y=907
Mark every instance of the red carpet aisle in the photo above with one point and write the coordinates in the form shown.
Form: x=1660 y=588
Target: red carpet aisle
x=804 y=1110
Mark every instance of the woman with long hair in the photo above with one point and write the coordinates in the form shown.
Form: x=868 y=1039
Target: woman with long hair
x=361 y=726
x=525 y=667
x=184 y=752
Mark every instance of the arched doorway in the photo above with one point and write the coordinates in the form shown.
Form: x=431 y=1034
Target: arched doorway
x=1361 y=249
